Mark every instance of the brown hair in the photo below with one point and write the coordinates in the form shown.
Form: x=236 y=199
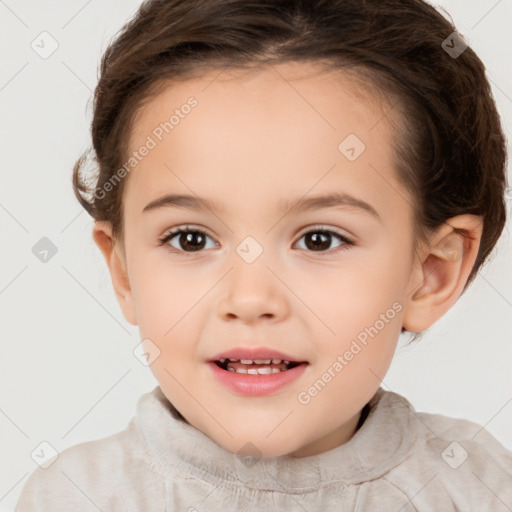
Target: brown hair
x=451 y=155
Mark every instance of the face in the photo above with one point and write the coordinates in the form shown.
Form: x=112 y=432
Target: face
x=322 y=283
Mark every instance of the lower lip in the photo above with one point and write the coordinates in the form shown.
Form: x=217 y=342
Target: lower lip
x=256 y=385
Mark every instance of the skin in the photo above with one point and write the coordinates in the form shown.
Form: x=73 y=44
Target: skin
x=255 y=139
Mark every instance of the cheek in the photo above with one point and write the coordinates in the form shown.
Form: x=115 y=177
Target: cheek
x=364 y=315
x=161 y=284
x=354 y=295
x=362 y=307
x=165 y=297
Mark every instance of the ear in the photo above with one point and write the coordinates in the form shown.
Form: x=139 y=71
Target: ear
x=116 y=262
x=441 y=271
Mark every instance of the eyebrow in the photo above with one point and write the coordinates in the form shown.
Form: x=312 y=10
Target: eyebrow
x=301 y=204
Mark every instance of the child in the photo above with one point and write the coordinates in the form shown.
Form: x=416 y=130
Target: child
x=283 y=188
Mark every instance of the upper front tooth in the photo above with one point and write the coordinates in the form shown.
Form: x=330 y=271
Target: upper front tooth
x=258 y=361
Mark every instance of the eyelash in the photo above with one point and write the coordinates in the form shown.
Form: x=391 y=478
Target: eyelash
x=316 y=229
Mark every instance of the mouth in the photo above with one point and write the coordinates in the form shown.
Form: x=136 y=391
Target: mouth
x=256 y=371
x=256 y=366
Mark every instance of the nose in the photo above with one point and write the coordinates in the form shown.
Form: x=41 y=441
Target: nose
x=252 y=291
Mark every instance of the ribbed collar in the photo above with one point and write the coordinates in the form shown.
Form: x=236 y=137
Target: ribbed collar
x=381 y=443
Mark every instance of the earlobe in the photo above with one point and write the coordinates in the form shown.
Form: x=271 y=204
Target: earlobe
x=116 y=262
x=441 y=271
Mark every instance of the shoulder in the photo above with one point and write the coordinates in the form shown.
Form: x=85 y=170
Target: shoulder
x=453 y=463
x=100 y=474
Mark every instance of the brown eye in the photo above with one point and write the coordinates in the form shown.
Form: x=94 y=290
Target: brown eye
x=187 y=240
x=320 y=240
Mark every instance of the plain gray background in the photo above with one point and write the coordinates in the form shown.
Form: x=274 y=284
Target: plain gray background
x=67 y=371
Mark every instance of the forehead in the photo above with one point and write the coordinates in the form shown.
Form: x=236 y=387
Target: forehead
x=278 y=131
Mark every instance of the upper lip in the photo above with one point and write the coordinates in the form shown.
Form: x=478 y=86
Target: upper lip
x=255 y=353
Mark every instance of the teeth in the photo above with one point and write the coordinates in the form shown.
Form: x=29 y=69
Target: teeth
x=257 y=371
x=256 y=361
x=265 y=369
